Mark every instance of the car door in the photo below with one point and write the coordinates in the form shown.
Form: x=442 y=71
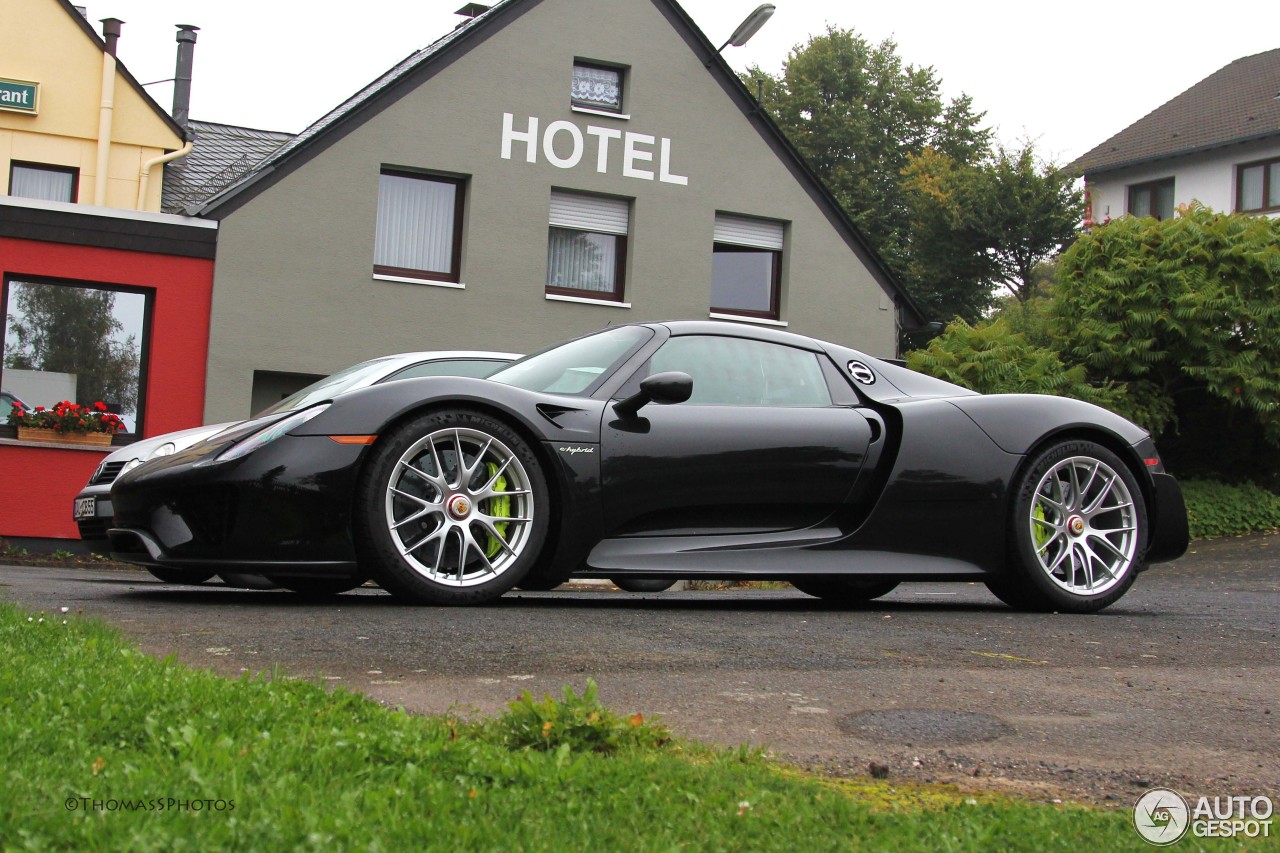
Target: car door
x=758 y=447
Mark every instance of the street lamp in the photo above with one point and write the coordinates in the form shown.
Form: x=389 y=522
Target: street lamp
x=750 y=26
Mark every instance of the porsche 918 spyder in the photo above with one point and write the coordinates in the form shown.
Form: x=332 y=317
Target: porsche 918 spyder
x=657 y=451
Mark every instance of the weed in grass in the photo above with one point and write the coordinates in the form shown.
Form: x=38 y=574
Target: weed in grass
x=573 y=722
x=8 y=550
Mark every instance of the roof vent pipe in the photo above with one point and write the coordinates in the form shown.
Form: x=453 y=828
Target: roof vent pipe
x=182 y=75
x=111 y=33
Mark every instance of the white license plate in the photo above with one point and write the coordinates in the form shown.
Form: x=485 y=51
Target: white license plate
x=86 y=507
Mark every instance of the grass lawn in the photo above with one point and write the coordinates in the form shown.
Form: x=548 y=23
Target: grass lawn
x=105 y=748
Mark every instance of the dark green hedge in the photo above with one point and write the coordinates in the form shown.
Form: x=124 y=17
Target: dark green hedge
x=1220 y=509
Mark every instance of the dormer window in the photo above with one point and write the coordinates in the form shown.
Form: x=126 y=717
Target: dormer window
x=597 y=87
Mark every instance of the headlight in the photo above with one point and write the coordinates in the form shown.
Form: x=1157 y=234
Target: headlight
x=268 y=434
x=130 y=465
x=165 y=449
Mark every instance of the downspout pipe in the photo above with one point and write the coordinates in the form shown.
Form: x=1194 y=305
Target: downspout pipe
x=106 y=111
x=145 y=176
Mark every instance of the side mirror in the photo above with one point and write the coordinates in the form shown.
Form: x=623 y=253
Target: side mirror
x=661 y=388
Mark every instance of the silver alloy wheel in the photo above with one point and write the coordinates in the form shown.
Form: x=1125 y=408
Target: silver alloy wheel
x=458 y=507
x=1083 y=526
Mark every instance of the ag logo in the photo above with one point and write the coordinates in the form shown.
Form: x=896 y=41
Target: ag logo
x=861 y=373
x=1161 y=816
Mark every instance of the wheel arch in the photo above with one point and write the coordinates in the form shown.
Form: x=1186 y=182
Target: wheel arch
x=1117 y=445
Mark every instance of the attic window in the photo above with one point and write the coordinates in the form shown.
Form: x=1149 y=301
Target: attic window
x=597 y=87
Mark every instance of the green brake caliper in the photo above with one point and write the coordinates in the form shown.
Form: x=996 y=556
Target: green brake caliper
x=499 y=507
x=1039 y=533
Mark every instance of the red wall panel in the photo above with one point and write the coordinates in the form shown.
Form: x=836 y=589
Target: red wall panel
x=179 y=341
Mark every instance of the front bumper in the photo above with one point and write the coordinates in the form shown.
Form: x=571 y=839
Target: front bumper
x=284 y=509
x=92 y=511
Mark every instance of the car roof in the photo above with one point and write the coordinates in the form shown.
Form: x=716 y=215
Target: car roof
x=739 y=330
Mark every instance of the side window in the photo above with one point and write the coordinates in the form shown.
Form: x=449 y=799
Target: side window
x=1258 y=187
x=596 y=87
x=587 y=246
x=746 y=266
x=419 y=231
x=1152 y=199
x=739 y=372
x=81 y=342
x=48 y=183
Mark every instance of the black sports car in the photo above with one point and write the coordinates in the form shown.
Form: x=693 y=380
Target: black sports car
x=669 y=450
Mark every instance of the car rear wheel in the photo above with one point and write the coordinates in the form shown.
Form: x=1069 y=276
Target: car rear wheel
x=1078 y=531
x=845 y=591
x=642 y=584
x=453 y=509
x=178 y=576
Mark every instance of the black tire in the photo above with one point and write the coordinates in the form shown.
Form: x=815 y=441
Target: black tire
x=434 y=531
x=179 y=576
x=642 y=584
x=240 y=580
x=318 y=587
x=845 y=590
x=1077 y=531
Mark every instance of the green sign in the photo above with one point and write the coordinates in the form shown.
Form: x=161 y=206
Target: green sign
x=19 y=96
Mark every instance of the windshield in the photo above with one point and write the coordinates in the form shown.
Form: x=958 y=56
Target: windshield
x=356 y=376
x=574 y=367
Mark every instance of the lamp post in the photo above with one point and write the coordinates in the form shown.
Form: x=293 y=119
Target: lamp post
x=750 y=26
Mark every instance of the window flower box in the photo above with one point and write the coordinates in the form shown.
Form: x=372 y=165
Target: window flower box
x=66 y=423
x=53 y=436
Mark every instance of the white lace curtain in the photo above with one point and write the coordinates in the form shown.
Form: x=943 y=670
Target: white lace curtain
x=598 y=87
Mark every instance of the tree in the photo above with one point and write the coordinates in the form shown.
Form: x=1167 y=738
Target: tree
x=1175 y=322
x=857 y=114
x=948 y=268
x=986 y=225
x=64 y=329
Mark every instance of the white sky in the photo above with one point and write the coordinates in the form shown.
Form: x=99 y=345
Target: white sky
x=1066 y=76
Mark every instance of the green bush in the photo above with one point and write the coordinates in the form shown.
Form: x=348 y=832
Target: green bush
x=995 y=358
x=1221 y=509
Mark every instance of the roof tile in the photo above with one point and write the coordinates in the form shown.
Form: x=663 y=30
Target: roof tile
x=1237 y=103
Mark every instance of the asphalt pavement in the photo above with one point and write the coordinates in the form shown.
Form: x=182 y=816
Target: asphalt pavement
x=1175 y=685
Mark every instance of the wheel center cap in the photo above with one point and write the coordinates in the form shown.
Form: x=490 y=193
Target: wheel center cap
x=459 y=506
x=1075 y=524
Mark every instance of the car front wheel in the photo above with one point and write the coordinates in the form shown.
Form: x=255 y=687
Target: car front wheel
x=1078 y=531
x=453 y=509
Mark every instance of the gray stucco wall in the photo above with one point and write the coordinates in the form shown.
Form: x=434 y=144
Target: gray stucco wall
x=294 y=290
